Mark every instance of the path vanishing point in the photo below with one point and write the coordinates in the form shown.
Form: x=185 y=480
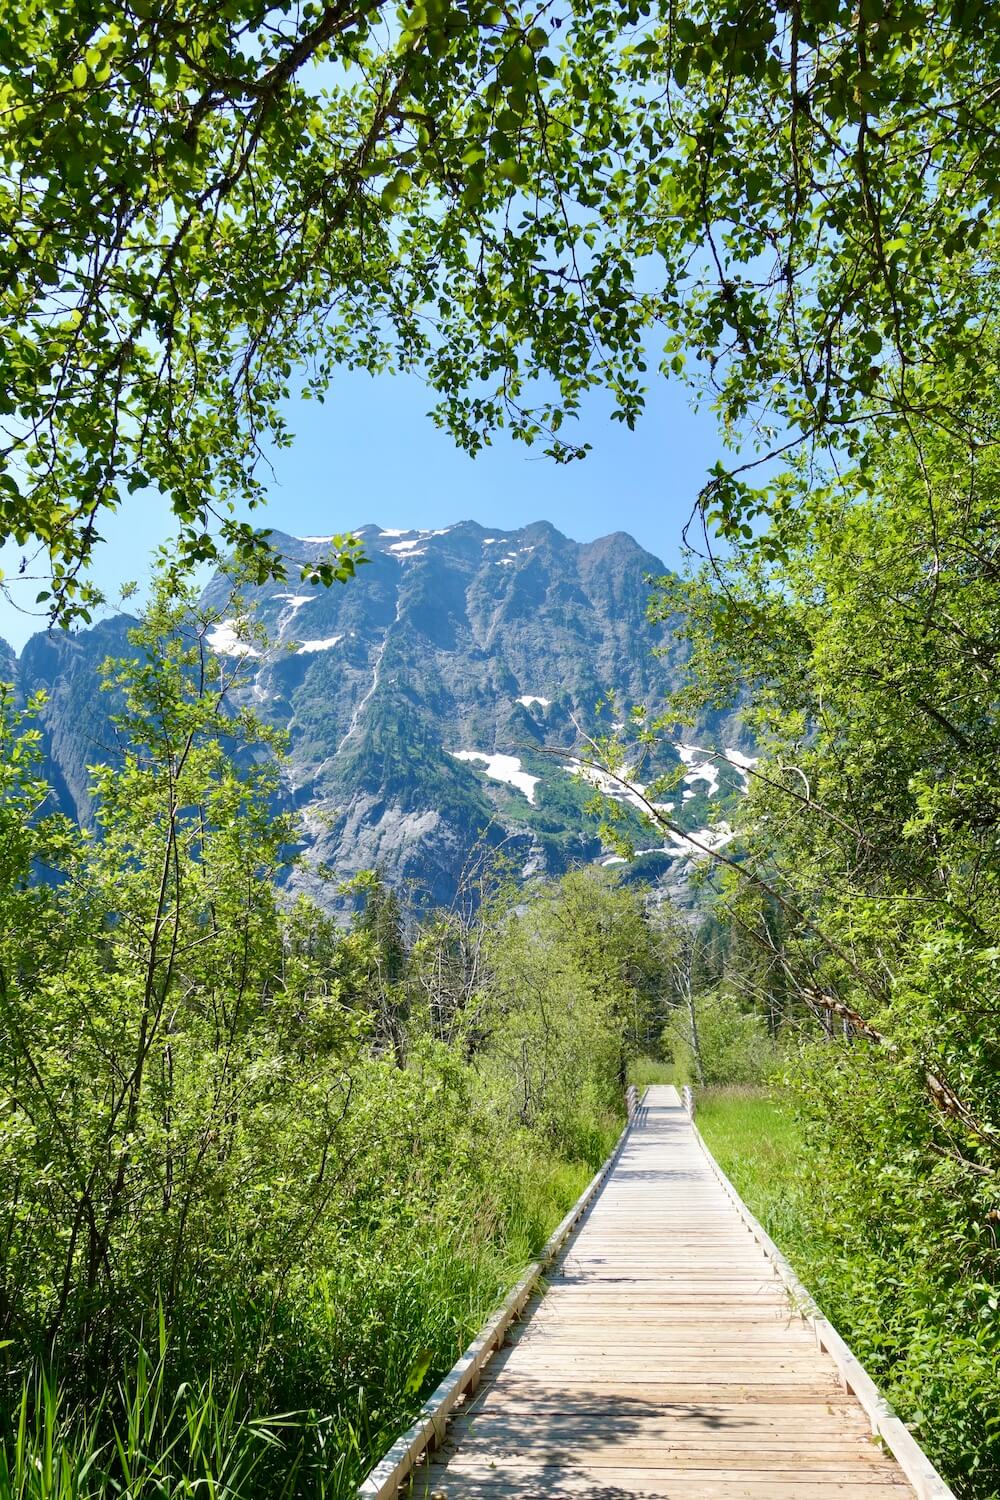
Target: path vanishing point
x=664 y=1358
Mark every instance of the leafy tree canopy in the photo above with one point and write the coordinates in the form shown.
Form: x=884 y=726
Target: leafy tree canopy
x=207 y=207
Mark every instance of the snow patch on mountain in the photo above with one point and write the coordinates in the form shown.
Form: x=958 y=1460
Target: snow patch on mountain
x=695 y=846
x=324 y=645
x=413 y=537
x=621 y=788
x=510 y=558
x=505 y=768
x=708 y=770
x=701 y=770
x=716 y=837
x=700 y=842
x=224 y=640
x=293 y=603
x=744 y=763
x=529 y=698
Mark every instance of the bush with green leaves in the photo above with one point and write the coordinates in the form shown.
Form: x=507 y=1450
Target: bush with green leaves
x=574 y=978
x=731 y=1042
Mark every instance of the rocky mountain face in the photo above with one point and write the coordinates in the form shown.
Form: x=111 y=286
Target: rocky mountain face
x=434 y=704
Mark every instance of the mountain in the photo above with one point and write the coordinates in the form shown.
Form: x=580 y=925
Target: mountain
x=432 y=704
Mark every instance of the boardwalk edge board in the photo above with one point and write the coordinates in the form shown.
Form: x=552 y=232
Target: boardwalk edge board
x=885 y=1424
x=385 y=1480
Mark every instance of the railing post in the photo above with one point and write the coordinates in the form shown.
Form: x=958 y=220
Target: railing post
x=687 y=1099
x=631 y=1102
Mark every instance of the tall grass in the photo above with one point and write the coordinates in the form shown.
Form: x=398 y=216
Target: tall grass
x=755 y=1137
x=646 y=1070
x=376 y=1332
x=409 y=1328
x=146 y=1439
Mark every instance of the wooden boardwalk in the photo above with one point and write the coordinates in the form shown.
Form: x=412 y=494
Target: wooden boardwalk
x=663 y=1360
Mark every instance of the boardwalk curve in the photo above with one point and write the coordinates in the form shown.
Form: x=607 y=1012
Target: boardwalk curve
x=665 y=1359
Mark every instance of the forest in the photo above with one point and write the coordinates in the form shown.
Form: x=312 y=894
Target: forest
x=263 y=1175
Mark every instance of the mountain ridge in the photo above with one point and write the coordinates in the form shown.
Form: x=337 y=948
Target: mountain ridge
x=423 y=700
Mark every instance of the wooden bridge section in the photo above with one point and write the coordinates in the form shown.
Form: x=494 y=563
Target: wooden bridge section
x=665 y=1359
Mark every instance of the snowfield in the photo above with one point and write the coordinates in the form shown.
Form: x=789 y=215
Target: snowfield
x=708 y=770
x=506 y=768
x=700 y=770
x=622 y=788
x=324 y=645
x=224 y=640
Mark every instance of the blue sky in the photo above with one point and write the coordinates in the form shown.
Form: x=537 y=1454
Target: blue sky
x=371 y=453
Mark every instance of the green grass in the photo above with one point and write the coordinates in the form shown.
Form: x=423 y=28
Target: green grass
x=757 y=1141
x=375 y=1337
x=166 y=1442
x=644 y=1070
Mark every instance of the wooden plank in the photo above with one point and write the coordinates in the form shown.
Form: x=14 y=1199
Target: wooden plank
x=641 y=1314
x=756 y=1451
x=652 y=1364
x=857 y=1459
x=717 y=1338
x=569 y=1435
x=583 y=1395
x=467 y=1480
x=500 y=1402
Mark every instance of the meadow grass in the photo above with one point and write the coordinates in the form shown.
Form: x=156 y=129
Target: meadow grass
x=645 y=1070
x=755 y=1137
